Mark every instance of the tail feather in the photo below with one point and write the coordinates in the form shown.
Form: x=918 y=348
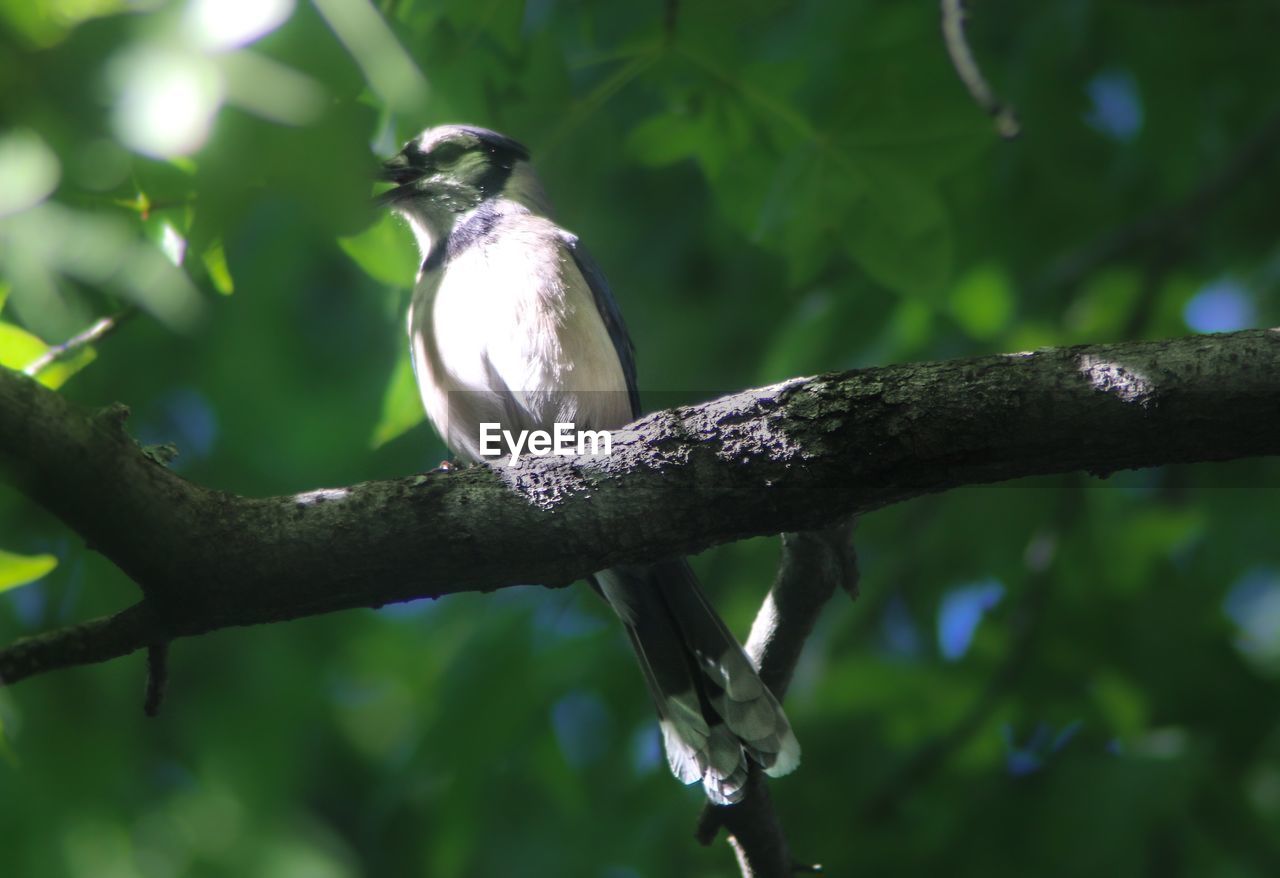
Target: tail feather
x=745 y=703
x=713 y=709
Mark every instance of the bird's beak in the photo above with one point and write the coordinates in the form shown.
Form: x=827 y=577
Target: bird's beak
x=396 y=170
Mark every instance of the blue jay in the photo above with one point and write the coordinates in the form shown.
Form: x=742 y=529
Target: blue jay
x=512 y=322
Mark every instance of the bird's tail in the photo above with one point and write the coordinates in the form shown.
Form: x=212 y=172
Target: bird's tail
x=714 y=710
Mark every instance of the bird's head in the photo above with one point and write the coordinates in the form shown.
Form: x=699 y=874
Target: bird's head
x=449 y=170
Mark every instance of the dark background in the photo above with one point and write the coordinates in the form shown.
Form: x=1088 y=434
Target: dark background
x=1061 y=676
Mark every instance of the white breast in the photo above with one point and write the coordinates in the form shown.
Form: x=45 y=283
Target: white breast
x=508 y=331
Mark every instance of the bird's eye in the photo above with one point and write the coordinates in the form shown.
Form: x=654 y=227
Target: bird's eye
x=447 y=153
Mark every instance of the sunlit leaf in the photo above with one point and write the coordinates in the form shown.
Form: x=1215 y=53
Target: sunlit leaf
x=19 y=349
x=16 y=570
x=29 y=171
x=982 y=302
x=47 y=22
x=215 y=263
x=401 y=405
x=386 y=251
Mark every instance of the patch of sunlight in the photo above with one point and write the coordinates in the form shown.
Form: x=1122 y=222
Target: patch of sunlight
x=172 y=244
x=267 y=88
x=29 y=171
x=16 y=570
x=53 y=240
x=388 y=69
x=219 y=25
x=983 y=302
x=1115 y=379
x=167 y=100
x=45 y=23
x=320 y=495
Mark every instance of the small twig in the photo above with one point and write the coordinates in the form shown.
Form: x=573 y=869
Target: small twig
x=157 y=676
x=814 y=564
x=99 y=330
x=1006 y=119
x=96 y=641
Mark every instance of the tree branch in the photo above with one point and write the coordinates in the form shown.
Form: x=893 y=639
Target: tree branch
x=87 y=643
x=814 y=564
x=99 y=330
x=791 y=457
x=953 y=16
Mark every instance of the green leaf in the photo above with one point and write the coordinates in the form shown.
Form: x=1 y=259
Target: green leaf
x=386 y=251
x=667 y=138
x=16 y=570
x=900 y=232
x=215 y=263
x=982 y=303
x=401 y=405
x=19 y=349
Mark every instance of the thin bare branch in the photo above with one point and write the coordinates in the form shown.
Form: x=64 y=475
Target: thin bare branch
x=953 y=17
x=98 y=331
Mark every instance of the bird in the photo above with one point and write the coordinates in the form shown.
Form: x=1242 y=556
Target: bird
x=511 y=321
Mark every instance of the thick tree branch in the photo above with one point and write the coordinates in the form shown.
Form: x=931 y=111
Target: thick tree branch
x=790 y=457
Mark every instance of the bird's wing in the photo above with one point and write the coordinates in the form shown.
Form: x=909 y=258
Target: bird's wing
x=610 y=314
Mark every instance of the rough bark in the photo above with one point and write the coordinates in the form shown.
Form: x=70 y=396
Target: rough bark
x=790 y=457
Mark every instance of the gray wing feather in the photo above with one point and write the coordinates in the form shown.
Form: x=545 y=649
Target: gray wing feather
x=610 y=314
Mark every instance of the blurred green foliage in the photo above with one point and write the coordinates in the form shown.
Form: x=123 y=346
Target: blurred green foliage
x=1056 y=677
